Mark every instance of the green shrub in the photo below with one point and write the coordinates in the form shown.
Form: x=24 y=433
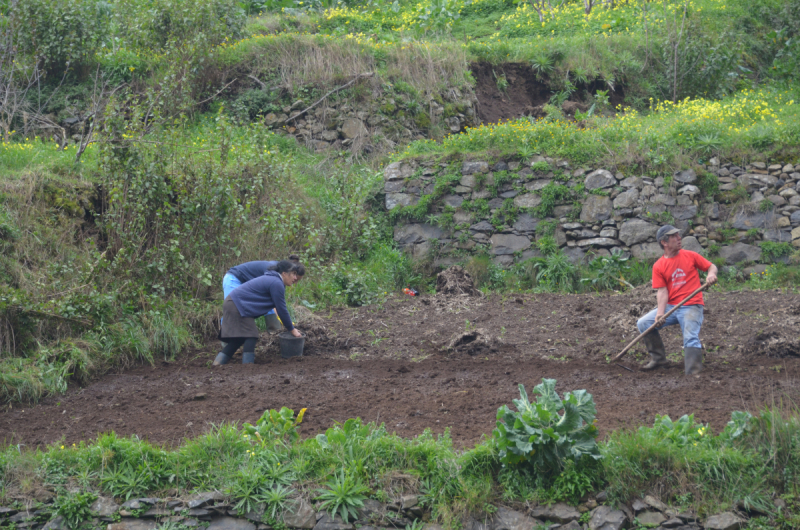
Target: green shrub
x=343 y=497
x=766 y=206
x=546 y=228
x=478 y=267
x=708 y=184
x=251 y=104
x=246 y=488
x=536 y=434
x=158 y=23
x=540 y=166
x=771 y=251
x=275 y=427
x=608 y=272
x=60 y=32
x=547 y=245
x=556 y=272
x=355 y=286
x=552 y=194
x=75 y=508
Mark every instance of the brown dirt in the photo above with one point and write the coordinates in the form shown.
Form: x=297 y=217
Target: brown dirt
x=526 y=95
x=391 y=363
x=455 y=281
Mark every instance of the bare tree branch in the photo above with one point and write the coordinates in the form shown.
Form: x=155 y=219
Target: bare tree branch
x=100 y=97
x=217 y=94
x=320 y=100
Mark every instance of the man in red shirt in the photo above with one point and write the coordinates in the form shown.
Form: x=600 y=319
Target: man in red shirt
x=675 y=277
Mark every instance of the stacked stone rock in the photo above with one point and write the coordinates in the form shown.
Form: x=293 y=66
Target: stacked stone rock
x=623 y=217
x=342 y=125
x=214 y=509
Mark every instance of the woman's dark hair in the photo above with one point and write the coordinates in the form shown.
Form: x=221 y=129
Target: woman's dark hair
x=300 y=270
x=294 y=257
x=285 y=266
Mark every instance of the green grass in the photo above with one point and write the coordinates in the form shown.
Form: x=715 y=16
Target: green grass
x=753 y=461
x=23 y=155
x=749 y=124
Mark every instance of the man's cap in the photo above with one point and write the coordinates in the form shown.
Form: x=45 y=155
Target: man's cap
x=666 y=231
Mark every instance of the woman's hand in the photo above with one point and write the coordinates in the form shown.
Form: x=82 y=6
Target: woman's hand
x=296 y=333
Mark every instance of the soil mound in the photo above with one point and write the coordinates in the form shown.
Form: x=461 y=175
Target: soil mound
x=639 y=301
x=473 y=342
x=773 y=344
x=456 y=281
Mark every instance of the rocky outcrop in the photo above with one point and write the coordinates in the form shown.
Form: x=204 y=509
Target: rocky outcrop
x=498 y=207
x=375 y=125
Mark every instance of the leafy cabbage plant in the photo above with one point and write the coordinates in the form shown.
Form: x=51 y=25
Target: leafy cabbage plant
x=549 y=431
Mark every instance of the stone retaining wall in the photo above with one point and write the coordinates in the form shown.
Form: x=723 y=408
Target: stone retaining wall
x=609 y=211
x=213 y=511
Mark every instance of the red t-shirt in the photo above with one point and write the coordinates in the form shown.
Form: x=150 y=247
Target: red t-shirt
x=679 y=275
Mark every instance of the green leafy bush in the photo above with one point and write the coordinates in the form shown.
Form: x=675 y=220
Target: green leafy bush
x=680 y=433
x=75 y=508
x=159 y=23
x=344 y=496
x=275 y=426
x=247 y=488
x=356 y=286
x=556 y=272
x=608 y=272
x=60 y=32
x=537 y=434
x=546 y=228
x=552 y=194
x=771 y=251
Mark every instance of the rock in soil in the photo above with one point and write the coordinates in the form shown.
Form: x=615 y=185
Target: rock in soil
x=724 y=521
x=456 y=281
x=473 y=342
x=774 y=344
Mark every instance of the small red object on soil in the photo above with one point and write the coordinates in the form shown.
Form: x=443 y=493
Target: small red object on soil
x=410 y=292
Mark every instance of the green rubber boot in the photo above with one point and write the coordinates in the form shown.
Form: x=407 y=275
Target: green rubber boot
x=693 y=360
x=655 y=347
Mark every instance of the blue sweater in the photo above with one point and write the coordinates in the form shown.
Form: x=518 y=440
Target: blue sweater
x=251 y=270
x=260 y=295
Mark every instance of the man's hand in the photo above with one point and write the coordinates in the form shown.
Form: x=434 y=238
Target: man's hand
x=660 y=320
x=296 y=333
x=711 y=277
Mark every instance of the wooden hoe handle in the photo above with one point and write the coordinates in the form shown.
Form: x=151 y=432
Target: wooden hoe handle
x=651 y=328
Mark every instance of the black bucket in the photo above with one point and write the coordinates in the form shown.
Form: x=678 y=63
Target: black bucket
x=291 y=346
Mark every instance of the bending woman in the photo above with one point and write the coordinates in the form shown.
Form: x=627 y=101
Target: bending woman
x=243 y=273
x=250 y=300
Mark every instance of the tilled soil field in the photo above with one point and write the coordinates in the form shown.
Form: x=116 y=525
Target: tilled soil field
x=445 y=361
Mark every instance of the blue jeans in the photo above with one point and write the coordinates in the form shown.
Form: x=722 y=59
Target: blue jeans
x=690 y=318
x=231 y=282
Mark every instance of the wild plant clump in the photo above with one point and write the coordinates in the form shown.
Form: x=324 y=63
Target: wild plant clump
x=547 y=433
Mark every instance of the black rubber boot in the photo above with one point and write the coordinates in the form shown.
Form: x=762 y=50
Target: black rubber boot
x=655 y=347
x=248 y=358
x=221 y=359
x=273 y=324
x=693 y=360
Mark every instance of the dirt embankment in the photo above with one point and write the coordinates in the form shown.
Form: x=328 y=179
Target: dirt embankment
x=445 y=361
x=512 y=90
